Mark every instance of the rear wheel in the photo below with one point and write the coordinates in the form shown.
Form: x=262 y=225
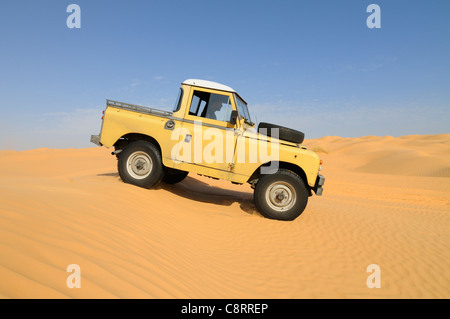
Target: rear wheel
x=140 y=164
x=281 y=195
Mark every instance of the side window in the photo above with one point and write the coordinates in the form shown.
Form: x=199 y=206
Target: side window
x=211 y=106
x=178 y=102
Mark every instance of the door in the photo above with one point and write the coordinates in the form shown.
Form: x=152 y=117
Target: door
x=207 y=140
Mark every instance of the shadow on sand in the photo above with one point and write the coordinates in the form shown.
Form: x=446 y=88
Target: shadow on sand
x=193 y=189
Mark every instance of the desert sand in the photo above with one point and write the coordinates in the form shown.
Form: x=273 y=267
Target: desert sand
x=386 y=201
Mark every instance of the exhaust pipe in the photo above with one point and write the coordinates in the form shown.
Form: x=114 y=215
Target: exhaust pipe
x=116 y=152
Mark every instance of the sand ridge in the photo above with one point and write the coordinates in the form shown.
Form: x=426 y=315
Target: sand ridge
x=386 y=201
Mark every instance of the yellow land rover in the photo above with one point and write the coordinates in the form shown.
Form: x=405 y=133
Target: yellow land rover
x=210 y=133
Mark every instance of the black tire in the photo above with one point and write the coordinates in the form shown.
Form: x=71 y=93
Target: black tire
x=281 y=195
x=284 y=133
x=173 y=176
x=140 y=164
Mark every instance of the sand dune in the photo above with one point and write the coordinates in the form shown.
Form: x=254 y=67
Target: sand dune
x=414 y=155
x=386 y=202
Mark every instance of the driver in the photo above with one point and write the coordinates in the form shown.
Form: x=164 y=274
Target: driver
x=214 y=109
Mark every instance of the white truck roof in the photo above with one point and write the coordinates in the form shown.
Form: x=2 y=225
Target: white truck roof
x=209 y=85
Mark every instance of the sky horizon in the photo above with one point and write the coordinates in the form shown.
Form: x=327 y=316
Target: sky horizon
x=314 y=66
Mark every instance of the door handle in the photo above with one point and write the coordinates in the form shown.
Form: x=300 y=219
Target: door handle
x=188 y=138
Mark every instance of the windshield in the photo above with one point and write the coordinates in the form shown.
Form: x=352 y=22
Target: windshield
x=243 y=110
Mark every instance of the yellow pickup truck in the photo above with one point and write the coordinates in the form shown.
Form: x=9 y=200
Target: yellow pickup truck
x=210 y=133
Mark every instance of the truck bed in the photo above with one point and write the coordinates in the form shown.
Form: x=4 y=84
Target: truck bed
x=138 y=108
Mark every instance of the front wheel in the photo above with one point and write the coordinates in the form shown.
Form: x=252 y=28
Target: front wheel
x=140 y=164
x=281 y=195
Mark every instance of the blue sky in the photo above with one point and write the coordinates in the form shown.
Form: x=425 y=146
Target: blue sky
x=311 y=65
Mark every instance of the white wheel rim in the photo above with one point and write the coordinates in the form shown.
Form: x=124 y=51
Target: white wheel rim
x=281 y=196
x=139 y=165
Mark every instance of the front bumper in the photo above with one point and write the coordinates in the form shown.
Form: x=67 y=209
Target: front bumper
x=96 y=140
x=318 y=186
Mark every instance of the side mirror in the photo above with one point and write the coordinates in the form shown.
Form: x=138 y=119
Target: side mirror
x=233 y=117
